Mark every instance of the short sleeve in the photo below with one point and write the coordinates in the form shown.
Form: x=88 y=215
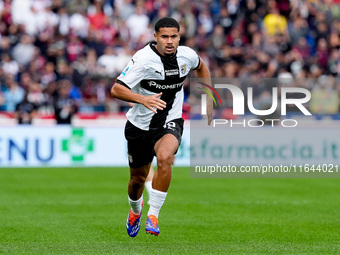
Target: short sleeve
x=132 y=74
x=194 y=59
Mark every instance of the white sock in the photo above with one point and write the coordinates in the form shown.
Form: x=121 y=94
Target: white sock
x=136 y=206
x=156 y=201
x=148 y=187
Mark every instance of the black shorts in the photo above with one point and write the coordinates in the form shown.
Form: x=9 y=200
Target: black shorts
x=141 y=143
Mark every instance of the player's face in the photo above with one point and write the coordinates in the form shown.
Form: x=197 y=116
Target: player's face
x=167 y=39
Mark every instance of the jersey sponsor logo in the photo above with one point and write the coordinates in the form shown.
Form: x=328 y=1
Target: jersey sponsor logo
x=171 y=72
x=183 y=68
x=125 y=71
x=159 y=72
x=159 y=86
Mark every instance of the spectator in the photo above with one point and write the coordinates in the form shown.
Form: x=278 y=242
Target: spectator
x=13 y=95
x=25 y=111
x=48 y=74
x=123 y=57
x=75 y=6
x=22 y=15
x=125 y=9
x=299 y=28
x=25 y=80
x=46 y=19
x=23 y=52
x=63 y=70
x=35 y=95
x=322 y=52
x=274 y=23
x=91 y=62
x=137 y=23
x=64 y=106
x=108 y=62
x=108 y=33
x=97 y=16
x=9 y=66
x=79 y=71
x=302 y=47
x=96 y=42
x=63 y=22
x=225 y=20
x=205 y=19
x=79 y=24
x=74 y=48
x=5 y=12
x=5 y=45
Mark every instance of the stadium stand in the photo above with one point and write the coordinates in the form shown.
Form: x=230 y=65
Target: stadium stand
x=83 y=45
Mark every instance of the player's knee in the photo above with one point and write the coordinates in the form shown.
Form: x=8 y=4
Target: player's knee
x=137 y=181
x=164 y=159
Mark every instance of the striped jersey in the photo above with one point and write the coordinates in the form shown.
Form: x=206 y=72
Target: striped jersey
x=149 y=73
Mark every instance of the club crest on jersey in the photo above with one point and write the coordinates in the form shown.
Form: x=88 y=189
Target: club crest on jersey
x=183 y=68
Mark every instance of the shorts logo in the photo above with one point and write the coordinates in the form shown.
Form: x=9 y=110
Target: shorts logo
x=170 y=125
x=130 y=158
x=183 y=68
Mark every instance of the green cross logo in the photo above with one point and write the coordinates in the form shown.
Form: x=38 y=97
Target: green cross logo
x=78 y=145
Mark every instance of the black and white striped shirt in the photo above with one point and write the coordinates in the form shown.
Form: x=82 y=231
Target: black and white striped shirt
x=149 y=73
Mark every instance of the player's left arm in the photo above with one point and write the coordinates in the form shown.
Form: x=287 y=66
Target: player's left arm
x=204 y=74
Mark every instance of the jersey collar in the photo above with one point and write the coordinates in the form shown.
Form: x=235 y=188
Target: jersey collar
x=153 y=47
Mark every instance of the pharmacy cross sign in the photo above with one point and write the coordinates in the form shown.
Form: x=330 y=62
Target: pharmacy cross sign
x=78 y=145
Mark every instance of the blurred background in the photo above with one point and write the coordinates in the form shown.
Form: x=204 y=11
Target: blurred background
x=59 y=59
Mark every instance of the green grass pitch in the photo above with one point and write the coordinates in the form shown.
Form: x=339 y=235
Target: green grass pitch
x=84 y=210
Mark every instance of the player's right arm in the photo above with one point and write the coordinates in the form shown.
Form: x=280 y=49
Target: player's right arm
x=151 y=102
x=131 y=77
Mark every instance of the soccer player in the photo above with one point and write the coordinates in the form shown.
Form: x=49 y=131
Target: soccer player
x=153 y=80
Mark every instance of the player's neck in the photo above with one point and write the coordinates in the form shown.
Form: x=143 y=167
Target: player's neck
x=164 y=55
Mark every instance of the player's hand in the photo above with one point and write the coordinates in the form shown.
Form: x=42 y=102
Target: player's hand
x=152 y=102
x=210 y=116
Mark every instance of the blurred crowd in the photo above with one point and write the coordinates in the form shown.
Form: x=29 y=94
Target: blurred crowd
x=62 y=56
